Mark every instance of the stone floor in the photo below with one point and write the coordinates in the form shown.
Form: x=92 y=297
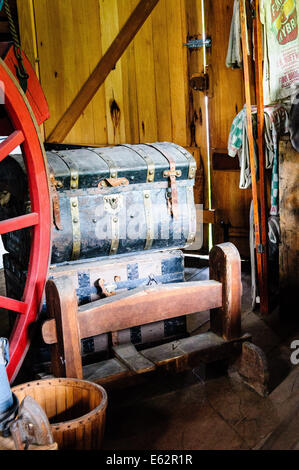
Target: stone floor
x=206 y=409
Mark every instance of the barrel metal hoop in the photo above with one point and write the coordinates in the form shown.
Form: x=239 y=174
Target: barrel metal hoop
x=76 y=228
x=149 y=220
x=111 y=164
x=150 y=177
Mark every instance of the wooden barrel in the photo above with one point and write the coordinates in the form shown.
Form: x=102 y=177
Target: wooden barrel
x=76 y=410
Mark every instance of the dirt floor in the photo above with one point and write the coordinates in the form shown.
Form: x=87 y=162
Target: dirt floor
x=205 y=408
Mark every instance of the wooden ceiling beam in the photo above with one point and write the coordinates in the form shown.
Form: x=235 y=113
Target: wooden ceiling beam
x=102 y=70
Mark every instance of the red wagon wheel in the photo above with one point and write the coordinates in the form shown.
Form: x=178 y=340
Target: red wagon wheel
x=26 y=134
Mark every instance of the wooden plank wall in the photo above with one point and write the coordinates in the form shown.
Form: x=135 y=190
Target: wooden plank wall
x=144 y=99
x=226 y=99
x=148 y=96
x=289 y=220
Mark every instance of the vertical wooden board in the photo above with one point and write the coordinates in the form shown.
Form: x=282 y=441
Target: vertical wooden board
x=79 y=438
x=40 y=397
x=128 y=66
x=226 y=99
x=69 y=47
x=26 y=22
x=60 y=393
x=87 y=438
x=176 y=34
x=78 y=408
x=145 y=81
x=69 y=401
x=69 y=439
x=50 y=402
x=113 y=84
x=162 y=72
x=93 y=55
x=289 y=219
x=227 y=89
x=197 y=118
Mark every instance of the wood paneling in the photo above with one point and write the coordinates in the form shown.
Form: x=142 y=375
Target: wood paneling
x=113 y=85
x=147 y=97
x=226 y=99
x=289 y=219
x=69 y=48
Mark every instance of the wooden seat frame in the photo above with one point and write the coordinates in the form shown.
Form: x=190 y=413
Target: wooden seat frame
x=69 y=324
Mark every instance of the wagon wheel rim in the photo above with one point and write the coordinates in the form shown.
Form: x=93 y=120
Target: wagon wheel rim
x=26 y=135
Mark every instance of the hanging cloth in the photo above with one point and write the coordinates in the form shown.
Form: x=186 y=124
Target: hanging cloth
x=276 y=125
x=234 y=52
x=234 y=58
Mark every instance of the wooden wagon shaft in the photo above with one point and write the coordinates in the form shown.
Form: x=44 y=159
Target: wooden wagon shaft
x=255 y=198
x=102 y=70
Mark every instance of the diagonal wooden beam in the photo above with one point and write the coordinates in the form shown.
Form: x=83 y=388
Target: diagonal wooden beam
x=102 y=70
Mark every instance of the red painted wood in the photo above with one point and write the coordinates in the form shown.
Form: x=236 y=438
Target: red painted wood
x=34 y=92
x=14 y=305
x=10 y=144
x=23 y=118
x=17 y=223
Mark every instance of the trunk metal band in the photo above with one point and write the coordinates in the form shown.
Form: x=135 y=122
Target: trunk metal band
x=76 y=228
x=74 y=204
x=55 y=199
x=192 y=215
x=111 y=164
x=189 y=157
x=114 y=235
x=149 y=220
x=150 y=178
x=171 y=174
x=74 y=172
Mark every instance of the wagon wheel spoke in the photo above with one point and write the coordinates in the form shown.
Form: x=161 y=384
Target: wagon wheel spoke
x=11 y=143
x=19 y=115
x=13 y=305
x=18 y=223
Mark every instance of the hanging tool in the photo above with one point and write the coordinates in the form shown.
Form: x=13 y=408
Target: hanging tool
x=24 y=427
x=258 y=58
x=20 y=68
x=259 y=229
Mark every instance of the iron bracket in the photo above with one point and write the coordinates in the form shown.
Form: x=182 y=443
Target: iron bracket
x=197 y=43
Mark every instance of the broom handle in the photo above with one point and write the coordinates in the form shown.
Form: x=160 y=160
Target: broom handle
x=251 y=149
x=258 y=55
